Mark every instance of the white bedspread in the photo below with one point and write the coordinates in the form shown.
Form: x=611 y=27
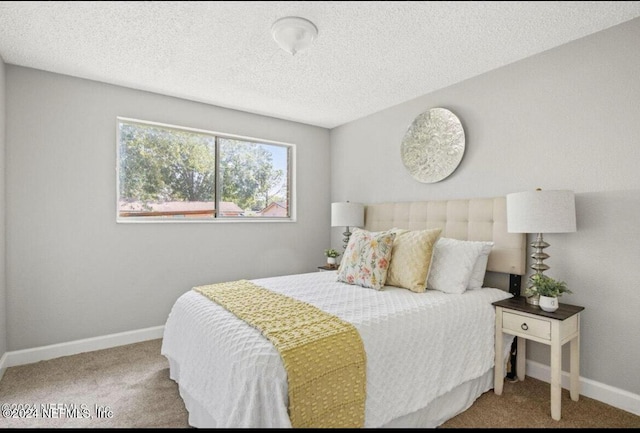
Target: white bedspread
x=418 y=346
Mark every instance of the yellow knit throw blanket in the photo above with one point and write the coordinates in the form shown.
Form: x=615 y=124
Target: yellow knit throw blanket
x=323 y=356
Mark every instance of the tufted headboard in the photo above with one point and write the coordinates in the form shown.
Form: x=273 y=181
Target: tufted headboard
x=477 y=219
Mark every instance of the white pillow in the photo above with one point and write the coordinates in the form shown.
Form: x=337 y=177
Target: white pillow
x=477 y=274
x=452 y=263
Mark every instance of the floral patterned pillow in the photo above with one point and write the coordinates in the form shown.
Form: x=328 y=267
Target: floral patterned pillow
x=366 y=260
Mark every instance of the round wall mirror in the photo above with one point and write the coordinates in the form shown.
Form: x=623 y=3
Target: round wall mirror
x=433 y=145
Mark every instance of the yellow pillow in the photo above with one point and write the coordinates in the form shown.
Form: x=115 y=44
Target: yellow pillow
x=411 y=258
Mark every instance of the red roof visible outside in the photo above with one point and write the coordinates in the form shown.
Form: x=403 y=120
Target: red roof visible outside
x=180 y=206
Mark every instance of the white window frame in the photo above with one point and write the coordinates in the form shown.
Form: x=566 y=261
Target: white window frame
x=291 y=172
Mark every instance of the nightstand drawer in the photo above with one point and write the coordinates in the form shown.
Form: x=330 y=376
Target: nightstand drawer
x=526 y=325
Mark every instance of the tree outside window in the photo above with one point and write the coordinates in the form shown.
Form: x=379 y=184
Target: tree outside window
x=170 y=173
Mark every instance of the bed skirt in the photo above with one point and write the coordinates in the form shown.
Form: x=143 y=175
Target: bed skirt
x=436 y=413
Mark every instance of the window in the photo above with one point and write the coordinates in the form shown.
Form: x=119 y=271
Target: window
x=168 y=173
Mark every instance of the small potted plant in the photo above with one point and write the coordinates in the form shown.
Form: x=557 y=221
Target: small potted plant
x=548 y=289
x=331 y=256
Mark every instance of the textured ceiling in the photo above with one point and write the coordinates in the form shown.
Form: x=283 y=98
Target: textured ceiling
x=368 y=55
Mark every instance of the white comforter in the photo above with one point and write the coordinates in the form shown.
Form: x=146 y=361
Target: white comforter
x=418 y=347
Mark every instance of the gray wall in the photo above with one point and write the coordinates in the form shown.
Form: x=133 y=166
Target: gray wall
x=3 y=280
x=564 y=119
x=72 y=272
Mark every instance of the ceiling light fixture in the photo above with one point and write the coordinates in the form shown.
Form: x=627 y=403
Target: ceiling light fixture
x=294 y=34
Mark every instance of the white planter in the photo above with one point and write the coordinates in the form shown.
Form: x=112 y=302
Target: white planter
x=331 y=260
x=548 y=303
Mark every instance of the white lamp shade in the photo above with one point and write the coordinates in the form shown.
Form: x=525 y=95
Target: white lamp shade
x=541 y=212
x=346 y=214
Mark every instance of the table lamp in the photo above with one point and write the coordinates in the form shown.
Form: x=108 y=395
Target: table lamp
x=541 y=212
x=346 y=214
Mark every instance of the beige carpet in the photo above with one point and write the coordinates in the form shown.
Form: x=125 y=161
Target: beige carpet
x=133 y=381
x=526 y=405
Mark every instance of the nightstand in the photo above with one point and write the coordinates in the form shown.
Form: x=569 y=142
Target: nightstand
x=527 y=322
x=327 y=268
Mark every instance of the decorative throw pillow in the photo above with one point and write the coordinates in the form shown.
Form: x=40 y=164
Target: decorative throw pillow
x=480 y=268
x=452 y=263
x=411 y=258
x=366 y=259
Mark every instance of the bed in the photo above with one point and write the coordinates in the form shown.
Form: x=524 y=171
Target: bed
x=429 y=355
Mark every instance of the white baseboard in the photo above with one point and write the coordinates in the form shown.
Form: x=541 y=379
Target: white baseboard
x=3 y=366
x=28 y=356
x=615 y=397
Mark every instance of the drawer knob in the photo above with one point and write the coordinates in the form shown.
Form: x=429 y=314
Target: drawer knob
x=524 y=327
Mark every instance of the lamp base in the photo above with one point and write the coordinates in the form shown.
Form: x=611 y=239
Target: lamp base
x=533 y=300
x=539 y=255
x=345 y=240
